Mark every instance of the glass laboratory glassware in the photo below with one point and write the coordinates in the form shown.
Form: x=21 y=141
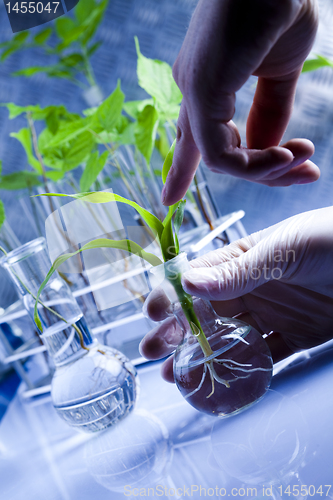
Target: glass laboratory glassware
x=94 y=386
x=28 y=266
x=223 y=365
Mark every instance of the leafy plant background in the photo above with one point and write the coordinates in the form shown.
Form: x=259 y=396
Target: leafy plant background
x=160 y=27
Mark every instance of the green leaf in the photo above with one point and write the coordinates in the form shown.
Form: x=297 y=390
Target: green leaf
x=92 y=49
x=104 y=197
x=2 y=213
x=124 y=245
x=89 y=111
x=54 y=175
x=6 y=53
x=31 y=70
x=24 y=137
x=168 y=245
x=52 y=121
x=58 y=71
x=318 y=62
x=133 y=108
x=73 y=59
x=127 y=136
x=71 y=36
x=92 y=22
x=71 y=155
x=179 y=217
x=64 y=26
x=15 y=110
x=168 y=162
x=43 y=36
x=38 y=113
x=53 y=71
x=68 y=131
x=162 y=143
x=21 y=37
x=84 y=9
x=109 y=111
x=169 y=112
x=92 y=169
x=19 y=180
x=13 y=45
x=155 y=77
x=145 y=131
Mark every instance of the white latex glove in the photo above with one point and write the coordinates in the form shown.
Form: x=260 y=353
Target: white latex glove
x=279 y=279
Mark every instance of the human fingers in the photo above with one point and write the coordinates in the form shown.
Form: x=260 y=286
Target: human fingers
x=157 y=306
x=300 y=171
x=216 y=60
x=275 y=341
x=271 y=110
x=238 y=276
x=162 y=340
x=186 y=159
x=167 y=370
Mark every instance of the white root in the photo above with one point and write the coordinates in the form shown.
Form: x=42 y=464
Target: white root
x=211 y=373
x=218 y=378
x=244 y=367
x=200 y=385
x=222 y=361
x=259 y=369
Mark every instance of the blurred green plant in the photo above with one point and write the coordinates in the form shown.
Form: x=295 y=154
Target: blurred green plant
x=68 y=140
x=2 y=207
x=316 y=62
x=70 y=44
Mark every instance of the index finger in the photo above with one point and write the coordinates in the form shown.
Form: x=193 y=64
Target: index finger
x=186 y=159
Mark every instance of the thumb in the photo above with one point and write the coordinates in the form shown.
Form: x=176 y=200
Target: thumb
x=237 y=276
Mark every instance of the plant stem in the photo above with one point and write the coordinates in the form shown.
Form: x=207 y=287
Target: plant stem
x=88 y=69
x=186 y=303
x=202 y=206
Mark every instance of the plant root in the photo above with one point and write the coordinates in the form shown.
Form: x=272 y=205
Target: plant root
x=232 y=366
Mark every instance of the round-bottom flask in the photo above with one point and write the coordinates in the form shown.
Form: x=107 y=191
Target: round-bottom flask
x=223 y=365
x=236 y=375
x=94 y=386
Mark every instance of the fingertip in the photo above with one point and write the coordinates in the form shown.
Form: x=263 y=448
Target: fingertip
x=310 y=173
x=167 y=370
x=283 y=156
x=150 y=346
x=157 y=305
x=199 y=282
x=301 y=148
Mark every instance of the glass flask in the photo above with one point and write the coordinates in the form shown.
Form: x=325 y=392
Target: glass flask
x=28 y=266
x=223 y=365
x=94 y=386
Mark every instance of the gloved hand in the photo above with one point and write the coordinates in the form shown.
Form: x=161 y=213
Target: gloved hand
x=227 y=41
x=279 y=279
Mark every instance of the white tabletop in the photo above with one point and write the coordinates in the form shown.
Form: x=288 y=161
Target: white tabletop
x=167 y=449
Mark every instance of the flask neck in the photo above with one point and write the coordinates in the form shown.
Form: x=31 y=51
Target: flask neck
x=28 y=265
x=196 y=317
x=66 y=342
x=169 y=275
